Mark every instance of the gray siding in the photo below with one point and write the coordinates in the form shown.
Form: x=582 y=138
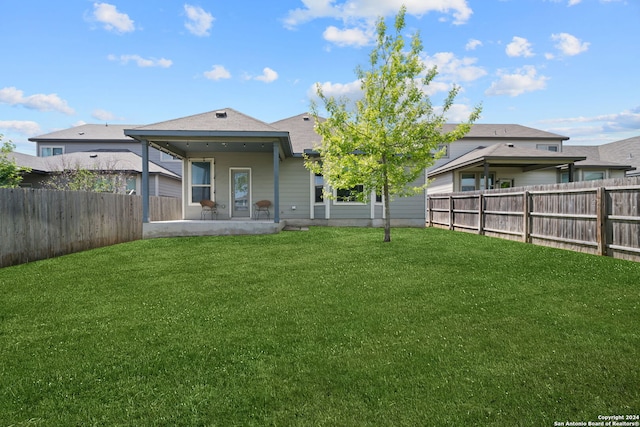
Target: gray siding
x=295 y=190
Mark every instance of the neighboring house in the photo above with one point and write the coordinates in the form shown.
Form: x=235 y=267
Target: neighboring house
x=624 y=152
x=108 y=137
x=499 y=156
x=129 y=165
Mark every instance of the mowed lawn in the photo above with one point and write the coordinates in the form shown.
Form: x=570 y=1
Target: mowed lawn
x=326 y=327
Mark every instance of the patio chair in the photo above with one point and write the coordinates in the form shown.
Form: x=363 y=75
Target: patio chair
x=208 y=207
x=261 y=206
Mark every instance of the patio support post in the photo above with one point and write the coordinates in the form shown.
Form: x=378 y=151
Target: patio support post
x=145 y=181
x=276 y=182
x=571 y=171
x=486 y=176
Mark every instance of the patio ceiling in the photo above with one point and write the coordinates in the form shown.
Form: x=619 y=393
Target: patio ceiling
x=181 y=143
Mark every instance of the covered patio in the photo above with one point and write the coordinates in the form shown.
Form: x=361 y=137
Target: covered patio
x=227 y=157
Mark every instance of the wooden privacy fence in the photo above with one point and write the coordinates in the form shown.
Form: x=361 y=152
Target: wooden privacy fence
x=599 y=217
x=38 y=224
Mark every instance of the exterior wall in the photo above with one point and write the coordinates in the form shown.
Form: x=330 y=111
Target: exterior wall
x=261 y=166
x=295 y=190
x=441 y=184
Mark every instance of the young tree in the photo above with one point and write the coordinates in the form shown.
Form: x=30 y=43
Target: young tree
x=10 y=172
x=101 y=178
x=390 y=137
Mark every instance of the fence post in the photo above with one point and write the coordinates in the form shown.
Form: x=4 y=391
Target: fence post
x=429 y=211
x=480 y=213
x=601 y=217
x=526 y=224
x=450 y=213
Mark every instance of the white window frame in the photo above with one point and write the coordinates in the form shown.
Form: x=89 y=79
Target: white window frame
x=446 y=150
x=346 y=202
x=585 y=172
x=52 y=148
x=211 y=179
x=547 y=147
x=479 y=180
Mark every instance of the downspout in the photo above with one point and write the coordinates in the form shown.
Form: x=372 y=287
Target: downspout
x=145 y=181
x=276 y=182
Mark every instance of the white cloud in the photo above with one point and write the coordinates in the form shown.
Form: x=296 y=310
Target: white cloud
x=103 y=115
x=40 y=102
x=524 y=80
x=142 y=62
x=337 y=90
x=112 y=20
x=348 y=37
x=268 y=76
x=574 y=2
x=472 y=44
x=625 y=120
x=454 y=69
x=569 y=45
x=349 y=10
x=457 y=113
x=217 y=72
x=199 y=22
x=519 y=46
x=25 y=127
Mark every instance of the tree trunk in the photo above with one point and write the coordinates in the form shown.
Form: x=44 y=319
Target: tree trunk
x=387 y=210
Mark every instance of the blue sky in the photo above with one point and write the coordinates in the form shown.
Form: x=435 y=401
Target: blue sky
x=566 y=66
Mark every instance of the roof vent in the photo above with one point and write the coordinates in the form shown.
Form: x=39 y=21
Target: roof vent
x=510 y=145
x=93 y=156
x=305 y=118
x=221 y=114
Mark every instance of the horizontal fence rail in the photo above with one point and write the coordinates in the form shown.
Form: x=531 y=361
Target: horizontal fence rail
x=38 y=224
x=599 y=217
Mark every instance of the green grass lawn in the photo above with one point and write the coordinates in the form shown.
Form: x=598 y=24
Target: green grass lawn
x=326 y=327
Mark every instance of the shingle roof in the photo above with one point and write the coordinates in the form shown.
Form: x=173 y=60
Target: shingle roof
x=301 y=130
x=88 y=132
x=91 y=160
x=508 y=131
x=506 y=154
x=225 y=119
x=594 y=158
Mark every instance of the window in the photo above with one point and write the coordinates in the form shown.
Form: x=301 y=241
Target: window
x=51 y=151
x=468 y=182
x=548 y=147
x=471 y=181
x=593 y=175
x=445 y=148
x=131 y=185
x=319 y=186
x=346 y=195
x=564 y=177
x=200 y=180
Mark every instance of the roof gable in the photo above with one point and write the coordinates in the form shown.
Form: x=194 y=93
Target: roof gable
x=226 y=119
